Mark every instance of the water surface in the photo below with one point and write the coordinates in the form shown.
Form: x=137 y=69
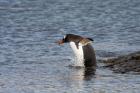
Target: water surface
x=31 y=62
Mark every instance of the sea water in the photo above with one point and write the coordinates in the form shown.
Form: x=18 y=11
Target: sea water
x=31 y=61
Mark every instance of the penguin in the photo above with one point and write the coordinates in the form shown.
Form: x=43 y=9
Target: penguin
x=82 y=48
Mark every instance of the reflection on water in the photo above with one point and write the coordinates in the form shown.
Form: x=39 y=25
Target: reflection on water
x=89 y=73
x=83 y=73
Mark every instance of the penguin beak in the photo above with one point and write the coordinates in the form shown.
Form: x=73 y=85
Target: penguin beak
x=60 y=42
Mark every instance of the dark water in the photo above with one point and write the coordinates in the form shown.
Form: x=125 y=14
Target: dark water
x=30 y=61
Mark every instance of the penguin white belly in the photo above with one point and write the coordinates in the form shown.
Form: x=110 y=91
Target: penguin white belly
x=78 y=53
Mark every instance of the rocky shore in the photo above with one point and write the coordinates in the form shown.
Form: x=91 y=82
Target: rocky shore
x=124 y=64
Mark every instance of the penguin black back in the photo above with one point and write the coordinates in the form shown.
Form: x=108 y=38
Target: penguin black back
x=89 y=56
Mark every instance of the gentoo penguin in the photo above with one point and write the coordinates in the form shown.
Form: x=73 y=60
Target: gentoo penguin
x=81 y=46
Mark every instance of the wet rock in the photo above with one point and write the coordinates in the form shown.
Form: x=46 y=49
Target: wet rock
x=124 y=64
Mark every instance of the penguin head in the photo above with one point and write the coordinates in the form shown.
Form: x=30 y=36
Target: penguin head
x=74 y=38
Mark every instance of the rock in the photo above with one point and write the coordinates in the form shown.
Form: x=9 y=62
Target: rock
x=124 y=64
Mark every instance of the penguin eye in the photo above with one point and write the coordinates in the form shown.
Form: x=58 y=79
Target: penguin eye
x=64 y=37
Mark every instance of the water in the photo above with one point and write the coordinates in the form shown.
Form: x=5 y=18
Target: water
x=31 y=62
